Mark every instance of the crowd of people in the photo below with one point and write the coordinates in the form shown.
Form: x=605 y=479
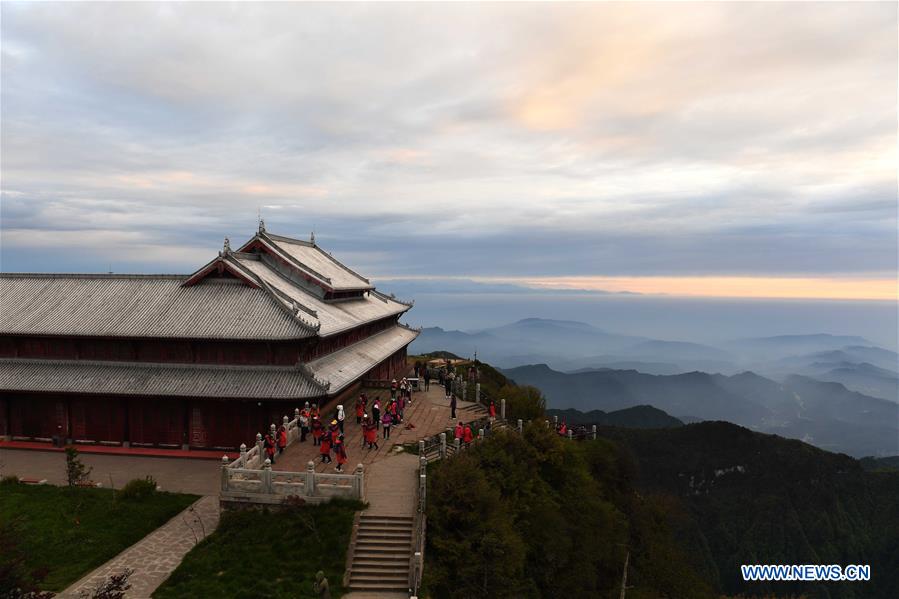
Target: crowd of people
x=374 y=418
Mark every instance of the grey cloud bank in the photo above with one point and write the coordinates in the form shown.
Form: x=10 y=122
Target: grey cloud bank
x=473 y=140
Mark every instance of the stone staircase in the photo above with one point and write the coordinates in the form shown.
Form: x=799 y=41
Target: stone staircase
x=381 y=553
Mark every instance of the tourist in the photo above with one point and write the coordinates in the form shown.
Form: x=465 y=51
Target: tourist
x=467 y=435
x=386 y=421
x=401 y=405
x=269 y=445
x=563 y=429
x=325 y=448
x=376 y=413
x=341 y=416
x=427 y=379
x=452 y=407
x=315 y=411
x=492 y=411
x=340 y=452
x=457 y=434
x=317 y=430
x=393 y=389
x=282 y=439
x=360 y=408
x=320 y=586
x=394 y=412
x=370 y=433
x=441 y=378
x=304 y=422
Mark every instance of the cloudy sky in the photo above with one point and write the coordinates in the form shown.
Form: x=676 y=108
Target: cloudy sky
x=711 y=149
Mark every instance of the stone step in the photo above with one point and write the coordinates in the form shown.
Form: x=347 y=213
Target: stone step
x=390 y=545
x=365 y=533
x=365 y=526
x=379 y=574
x=376 y=587
x=385 y=522
x=400 y=580
x=398 y=563
x=396 y=517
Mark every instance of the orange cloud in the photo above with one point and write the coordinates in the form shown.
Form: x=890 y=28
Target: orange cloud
x=744 y=287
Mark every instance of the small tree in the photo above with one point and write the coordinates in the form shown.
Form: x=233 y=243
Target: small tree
x=76 y=471
x=113 y=587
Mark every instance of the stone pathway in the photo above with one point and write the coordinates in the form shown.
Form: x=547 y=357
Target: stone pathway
x=429 y=413
x=156 y=556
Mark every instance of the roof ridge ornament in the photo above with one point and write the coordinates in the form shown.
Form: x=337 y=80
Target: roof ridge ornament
x=312 y=238
x=226 y=248
x=308 y=373
x=261 y=226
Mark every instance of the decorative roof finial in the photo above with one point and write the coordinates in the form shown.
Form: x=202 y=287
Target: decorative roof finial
x=227 y=247
x=261 y=226
x=312 y=238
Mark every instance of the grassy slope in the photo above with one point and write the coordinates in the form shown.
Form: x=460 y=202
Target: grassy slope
x=267 y=554
x=71 y=532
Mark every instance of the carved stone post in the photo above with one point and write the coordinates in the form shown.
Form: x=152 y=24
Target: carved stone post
x=421 y=447
x=570 y=434
x=477 y=392
x=267 y=476
x=594 y=432
x=555 y=420
x=260 y=449
x=442 y=446
x=520 y=426
x=243 y=455
x=359 y=482
x=480 y=434
x=224 y=473
x=309 y=485
x=458 y=443
x=502 y=408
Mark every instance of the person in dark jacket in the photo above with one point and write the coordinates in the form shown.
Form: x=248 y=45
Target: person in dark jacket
x=269 y=445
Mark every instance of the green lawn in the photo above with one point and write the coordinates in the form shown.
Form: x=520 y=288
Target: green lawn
x=69 y=532
x=256 y=554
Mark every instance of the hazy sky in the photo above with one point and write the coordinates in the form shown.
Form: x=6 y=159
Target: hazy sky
x=655 y=147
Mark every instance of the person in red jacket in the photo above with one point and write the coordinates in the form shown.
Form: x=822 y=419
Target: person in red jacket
x=360 y=408
x=269 y=445
x=325 y=448
x=457 y=433
x=317 y=430
x=340 y=452
x=370 y=433
x=492 y=411
x=467 y=435
x=282 y=439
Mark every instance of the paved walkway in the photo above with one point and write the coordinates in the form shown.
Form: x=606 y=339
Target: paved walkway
x=429 y=414
x=390 y=485
x=200 y=477
x=156 y=556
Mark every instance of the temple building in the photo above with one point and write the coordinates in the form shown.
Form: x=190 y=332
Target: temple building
x=205 y=360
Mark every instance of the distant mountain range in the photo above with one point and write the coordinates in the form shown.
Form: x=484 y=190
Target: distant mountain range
x=571 y=346
x=635 y=417
x=824 y=414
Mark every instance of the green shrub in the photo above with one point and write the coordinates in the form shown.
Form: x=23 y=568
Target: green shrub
x=138 y=489
x=12 y=479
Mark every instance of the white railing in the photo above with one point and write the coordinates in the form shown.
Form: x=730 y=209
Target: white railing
x=250 y=478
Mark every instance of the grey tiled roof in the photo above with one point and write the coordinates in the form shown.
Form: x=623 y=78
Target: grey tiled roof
x=141 y=306
x=346 y=365
x=181 y=380
x=317 y=261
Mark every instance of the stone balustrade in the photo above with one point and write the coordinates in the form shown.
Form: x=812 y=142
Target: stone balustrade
x=250 y=479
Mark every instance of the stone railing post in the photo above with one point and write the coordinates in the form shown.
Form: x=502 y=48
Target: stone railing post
x=421 y=448
x=359 y=482
x=502 y=408
x=477 y=392
x=267 y=476
x=458 y=443
x=570 y=434
x=442 y=446
x=464 y=392
x=422 y=488
x=555 y=420
x=260 y=449
x=285 y=421
x=243 y=455
x=480 y=434
x=225 y=473
x=520 y=426
x=594 y=432
x=309 y=484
